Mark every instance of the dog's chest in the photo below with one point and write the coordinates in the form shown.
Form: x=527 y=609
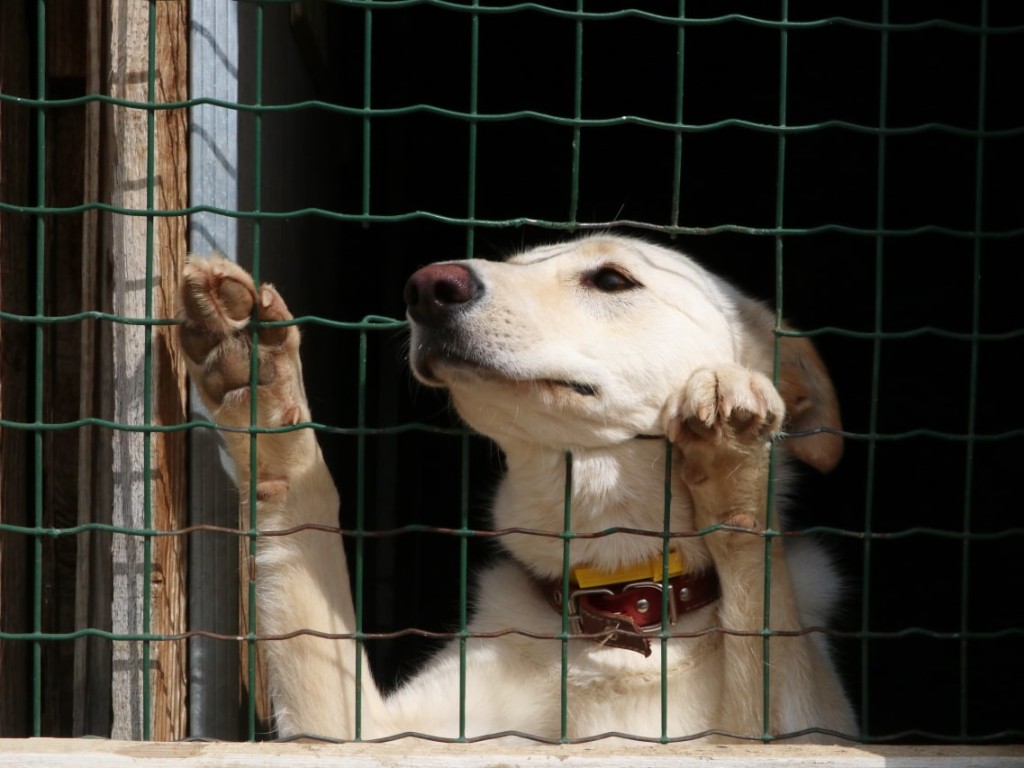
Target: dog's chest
x=612 y=690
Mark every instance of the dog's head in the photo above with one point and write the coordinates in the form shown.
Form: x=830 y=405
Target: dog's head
x=582 y=344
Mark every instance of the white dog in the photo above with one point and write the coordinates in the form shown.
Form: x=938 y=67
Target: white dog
x=591 y=349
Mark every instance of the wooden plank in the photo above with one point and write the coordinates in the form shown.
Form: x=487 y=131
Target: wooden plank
x=92 y=664
x=129 y=66
x=170 y=492
x=422 y=754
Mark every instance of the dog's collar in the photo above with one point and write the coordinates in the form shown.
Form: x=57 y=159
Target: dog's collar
x=623 y=609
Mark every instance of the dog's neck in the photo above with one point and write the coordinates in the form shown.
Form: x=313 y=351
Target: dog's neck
x=621 y=486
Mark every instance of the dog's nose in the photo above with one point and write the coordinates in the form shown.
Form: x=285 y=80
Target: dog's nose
x=435 y=292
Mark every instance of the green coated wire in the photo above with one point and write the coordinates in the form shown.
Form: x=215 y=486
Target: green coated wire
x=574 y=191
x=780 y=195
x=823 y=530
x=577 y=111
x=147 y=383
x=892 y=437
x=666 y=590
x=257 y=242
x=608 y=16
x=566 y=587
x=910 y=632
x=474 y=104
x=876 y=368
x=377 y=323
x=677 y=173
x=361 y=415
x=368 y=113
x=677 y=146
x=464 y=532
x=370 y=322
x=551 y=224
x=360 y=585
x=474 y=96
x=972 y=396
x=37 y=470
x=504 y=117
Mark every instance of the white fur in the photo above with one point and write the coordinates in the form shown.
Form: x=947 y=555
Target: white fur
x=682 y=347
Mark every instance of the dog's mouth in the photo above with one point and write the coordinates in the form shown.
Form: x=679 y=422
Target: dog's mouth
x=425 y=368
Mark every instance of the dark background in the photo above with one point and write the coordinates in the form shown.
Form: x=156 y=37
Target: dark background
x=911 y=397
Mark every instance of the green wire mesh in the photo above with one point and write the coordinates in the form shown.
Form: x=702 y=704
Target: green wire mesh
x=782 y=231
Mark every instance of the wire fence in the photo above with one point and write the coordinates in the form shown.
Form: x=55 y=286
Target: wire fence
x=951 y=508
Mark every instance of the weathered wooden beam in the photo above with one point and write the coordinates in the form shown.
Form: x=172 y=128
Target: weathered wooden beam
x=149 y=470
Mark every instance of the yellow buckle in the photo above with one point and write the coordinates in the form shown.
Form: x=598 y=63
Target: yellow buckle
x=587 y=577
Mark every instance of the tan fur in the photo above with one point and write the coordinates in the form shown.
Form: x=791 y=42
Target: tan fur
x=681 y=354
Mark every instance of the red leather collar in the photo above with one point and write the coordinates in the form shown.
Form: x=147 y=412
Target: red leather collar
x=626 y=615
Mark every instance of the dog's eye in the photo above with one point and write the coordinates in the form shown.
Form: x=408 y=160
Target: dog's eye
x=611 y=280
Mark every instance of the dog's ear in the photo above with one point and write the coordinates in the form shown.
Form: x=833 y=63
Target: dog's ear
x=804 y=384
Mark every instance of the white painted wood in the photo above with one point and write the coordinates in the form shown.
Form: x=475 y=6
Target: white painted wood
x=56 y=753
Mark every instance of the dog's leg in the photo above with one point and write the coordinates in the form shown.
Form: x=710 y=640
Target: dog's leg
x=723 y=425
x=302 y=580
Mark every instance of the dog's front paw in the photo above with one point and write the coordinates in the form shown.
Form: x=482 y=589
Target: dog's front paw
x=723 y=423
x=725 y=404
x=219 y=302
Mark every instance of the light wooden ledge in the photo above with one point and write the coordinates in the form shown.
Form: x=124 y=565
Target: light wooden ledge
x=422 y=754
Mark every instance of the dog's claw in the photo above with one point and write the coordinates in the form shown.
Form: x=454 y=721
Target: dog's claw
x=729 y=403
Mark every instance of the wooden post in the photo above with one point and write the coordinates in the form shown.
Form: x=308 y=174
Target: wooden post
x=129 y=68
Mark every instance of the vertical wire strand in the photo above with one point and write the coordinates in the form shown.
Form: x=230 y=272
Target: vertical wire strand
x=677 y=139
x=677 y=174
x=38 y=443
x=666 y=589
x=367 y=107
x=769 y=532
x=972 y=400
x=360 y=443
x=577 y=111
x=257 y=231
x=566 y=565
x=876 y=366
x=464 y=533
x=360 y=550
x=147 y=381
x=474 y=104
x=574 y=193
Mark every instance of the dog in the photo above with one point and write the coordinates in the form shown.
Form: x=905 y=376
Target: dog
x=622 y=368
